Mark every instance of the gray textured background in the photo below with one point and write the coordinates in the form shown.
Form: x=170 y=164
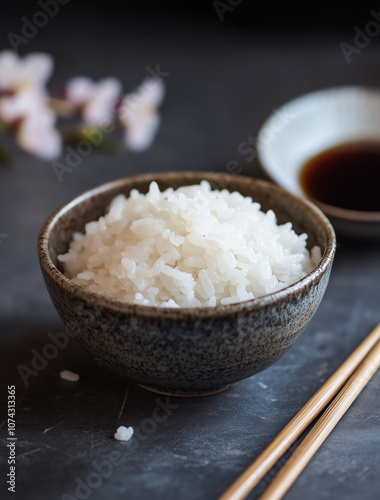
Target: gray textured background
x=224 y=79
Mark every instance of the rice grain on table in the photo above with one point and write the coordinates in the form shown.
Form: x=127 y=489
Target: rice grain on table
x=188 y=247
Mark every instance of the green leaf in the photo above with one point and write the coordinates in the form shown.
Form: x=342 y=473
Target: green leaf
x=5 y=156
x=94 y=136
x=100 y=139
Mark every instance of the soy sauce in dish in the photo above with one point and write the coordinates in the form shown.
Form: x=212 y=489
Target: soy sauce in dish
x=345 y=176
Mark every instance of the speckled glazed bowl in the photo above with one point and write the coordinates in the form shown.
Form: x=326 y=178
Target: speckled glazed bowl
x=186 y=351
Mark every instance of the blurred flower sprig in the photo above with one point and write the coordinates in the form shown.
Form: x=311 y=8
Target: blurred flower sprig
x=36 y=120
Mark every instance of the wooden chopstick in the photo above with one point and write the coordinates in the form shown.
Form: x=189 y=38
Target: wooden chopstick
x=314 y=439
x=265 y=461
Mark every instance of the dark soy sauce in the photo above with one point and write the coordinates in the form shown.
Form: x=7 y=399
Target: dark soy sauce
x=345 y=176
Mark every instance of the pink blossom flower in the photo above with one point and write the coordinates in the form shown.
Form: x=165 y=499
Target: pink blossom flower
x=19 y=105
x=138 y=113
x=18 y=75
x=36 y=134
x=23 y=103
x=96 y=101
x=22 y=83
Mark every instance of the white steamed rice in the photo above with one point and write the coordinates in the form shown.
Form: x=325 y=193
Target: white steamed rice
x=188 y=247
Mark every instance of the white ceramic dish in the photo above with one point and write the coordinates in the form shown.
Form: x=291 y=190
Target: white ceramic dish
x=312 y=123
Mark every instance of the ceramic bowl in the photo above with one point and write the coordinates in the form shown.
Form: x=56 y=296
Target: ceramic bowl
x=186 y=351
x=315 y=122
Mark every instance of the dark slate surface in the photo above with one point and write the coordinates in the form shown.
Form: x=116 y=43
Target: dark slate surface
x=224 y=78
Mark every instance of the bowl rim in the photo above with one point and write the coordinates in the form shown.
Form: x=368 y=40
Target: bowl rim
x=343 y=214
x=218 y=311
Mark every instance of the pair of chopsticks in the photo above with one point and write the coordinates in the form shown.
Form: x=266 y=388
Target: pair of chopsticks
x=346 y=383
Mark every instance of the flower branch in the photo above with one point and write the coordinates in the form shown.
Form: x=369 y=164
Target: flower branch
x=30 y=114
